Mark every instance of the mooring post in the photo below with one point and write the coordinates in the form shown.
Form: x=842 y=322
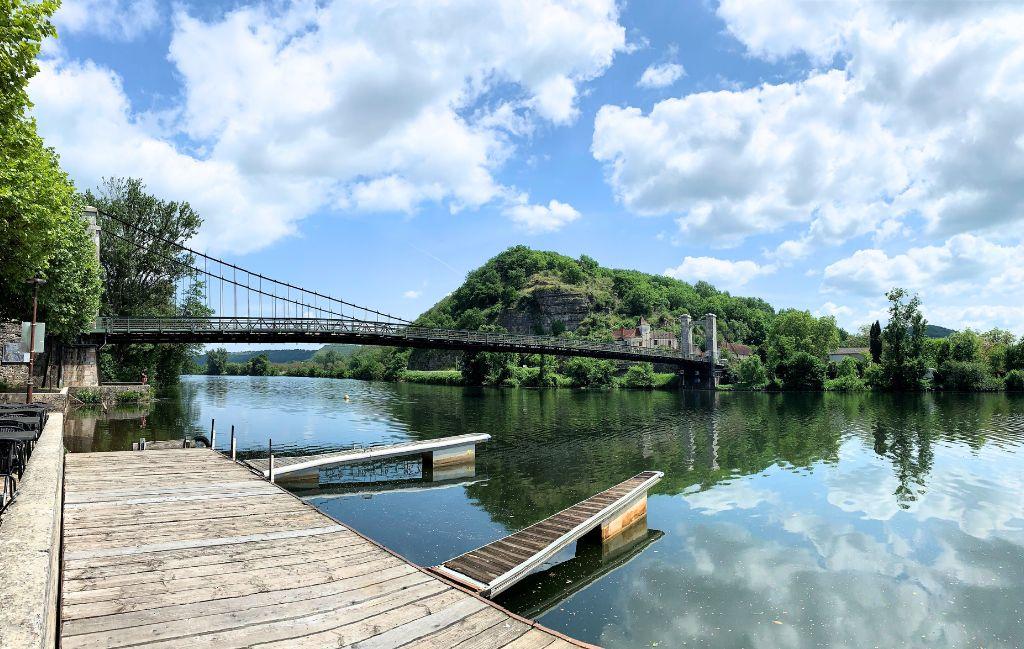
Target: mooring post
x=184 y=439
x=270 y=460
x=234 y=449
x=213 y=435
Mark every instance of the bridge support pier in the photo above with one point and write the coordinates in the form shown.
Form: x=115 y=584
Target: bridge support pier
x=698 y=378
x=74 y=366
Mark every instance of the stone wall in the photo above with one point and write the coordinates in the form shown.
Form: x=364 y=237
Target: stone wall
x=544 y=307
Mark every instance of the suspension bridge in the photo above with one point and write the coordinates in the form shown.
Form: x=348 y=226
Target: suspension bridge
x=220 y=302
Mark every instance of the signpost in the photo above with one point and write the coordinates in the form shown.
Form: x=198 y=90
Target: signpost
x=36 y=282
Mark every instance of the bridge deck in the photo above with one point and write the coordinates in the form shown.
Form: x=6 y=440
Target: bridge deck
x=186 y=548
x=292 y=464
x=496 y=566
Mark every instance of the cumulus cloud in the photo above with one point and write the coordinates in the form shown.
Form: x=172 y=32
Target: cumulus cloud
x=542 y=218
x=920 y=120
x=412 y=295
x=122 y=20
x=964 y=262
x=374 y=106
x=661 y=75
x=722 y=273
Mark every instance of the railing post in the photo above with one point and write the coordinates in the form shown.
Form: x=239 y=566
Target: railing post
x=234 y=448
x=270 y=459
x=213 y=435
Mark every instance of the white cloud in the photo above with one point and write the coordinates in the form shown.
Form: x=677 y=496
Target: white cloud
x=123 y=20
x=722 y=273
x=661 y=75
x=839 y=311
x=375 y=106
x=412 y=295
x=542 y=218
x=964 y=262
x=922 y=119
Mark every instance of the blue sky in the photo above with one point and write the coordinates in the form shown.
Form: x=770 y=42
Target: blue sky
x=813 y=154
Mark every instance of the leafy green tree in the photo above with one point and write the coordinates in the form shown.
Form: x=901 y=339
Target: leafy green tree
x=752 y=374
x=801 y=371
x=848 y=367
x=1014 y=381
x=589 y=372
x=145 y=271
x=875 y=342
x=328 y=358
x=41 y=229
x=1015 y=356
x=259 y=365
x=217 y=361
x=639 y=376
x=903 y=342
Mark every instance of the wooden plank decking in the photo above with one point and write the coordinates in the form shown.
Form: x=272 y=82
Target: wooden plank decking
x=291 y=464
x=496 y=566
x=186 y=548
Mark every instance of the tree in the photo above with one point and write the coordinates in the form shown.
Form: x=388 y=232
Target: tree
x=327 y=358
x=801 y=371
x=217 y=361
x=259 y=365
x=589 y=372
x=639 y=376
x=903 y=342
x=752 y=373
x=145 y=271
x=42 y=229
x=875 y=342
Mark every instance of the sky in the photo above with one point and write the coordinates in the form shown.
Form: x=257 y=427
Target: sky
x=814 y=154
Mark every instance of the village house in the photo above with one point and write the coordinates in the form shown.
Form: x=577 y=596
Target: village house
x=739 y=350
x=856 y=353
x=644 y=336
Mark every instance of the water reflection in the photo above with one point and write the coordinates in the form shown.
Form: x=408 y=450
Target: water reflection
x=788 y=520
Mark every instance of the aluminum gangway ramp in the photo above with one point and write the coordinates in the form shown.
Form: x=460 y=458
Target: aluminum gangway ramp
x=496 y=566
x=442 y=451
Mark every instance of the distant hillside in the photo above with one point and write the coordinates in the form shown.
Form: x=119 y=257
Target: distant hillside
x=935 y=331
x=530 y=291
x=274 y=355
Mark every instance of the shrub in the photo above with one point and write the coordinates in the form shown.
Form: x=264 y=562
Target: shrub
x=961 y=375
x=88 y=396
x=639 y=377
x=801 y=371
x=438 y=377
x=874 y=375
x=130 y=396
x=752 y=374
x=590 y=372
x=1014 y=381
x=846 y=383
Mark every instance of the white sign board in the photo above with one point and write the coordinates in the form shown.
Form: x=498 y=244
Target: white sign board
x=40 y=336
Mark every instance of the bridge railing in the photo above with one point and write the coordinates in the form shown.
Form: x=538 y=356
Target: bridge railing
x=356 y=327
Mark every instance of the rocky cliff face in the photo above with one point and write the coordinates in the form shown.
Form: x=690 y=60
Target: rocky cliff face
x=543 y=308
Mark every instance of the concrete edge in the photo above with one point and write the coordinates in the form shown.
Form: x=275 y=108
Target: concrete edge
x=30 y=530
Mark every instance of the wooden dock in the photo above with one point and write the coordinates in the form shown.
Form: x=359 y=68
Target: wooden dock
x=187 y=548
x=458 y=449
x=496 y=566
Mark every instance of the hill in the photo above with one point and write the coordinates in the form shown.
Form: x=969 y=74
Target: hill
x=935 y=331
x=531 y=291
x=273 y=355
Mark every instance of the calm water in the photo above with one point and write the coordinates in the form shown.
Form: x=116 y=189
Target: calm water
x=782 y=521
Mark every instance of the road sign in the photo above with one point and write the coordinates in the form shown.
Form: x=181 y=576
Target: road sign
x=40 y=336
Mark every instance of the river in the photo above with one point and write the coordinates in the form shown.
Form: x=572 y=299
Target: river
x=798 y=520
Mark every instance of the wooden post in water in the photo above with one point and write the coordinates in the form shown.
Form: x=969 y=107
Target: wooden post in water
x=270 y=459
x=213 y=435
x=234 y=449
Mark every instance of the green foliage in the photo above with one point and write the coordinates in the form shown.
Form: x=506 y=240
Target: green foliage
x=435 y=377
x=88 y=396
x=589 y=372
x=143 y=268
x=752 y=374
x=875 y=342
x=848 y=367
x=217 y=361
x=41 y=229
x=874 y=376
x=132 y=396
x=801 y=371
x=1014 y=356
x=259 y=366
x=1014 y=380
x=846 y=383
x=794 y=331
x=961 y=375
x=903 y=342
x=639 y=377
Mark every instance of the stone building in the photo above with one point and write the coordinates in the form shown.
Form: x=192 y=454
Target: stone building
x=643 y=336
